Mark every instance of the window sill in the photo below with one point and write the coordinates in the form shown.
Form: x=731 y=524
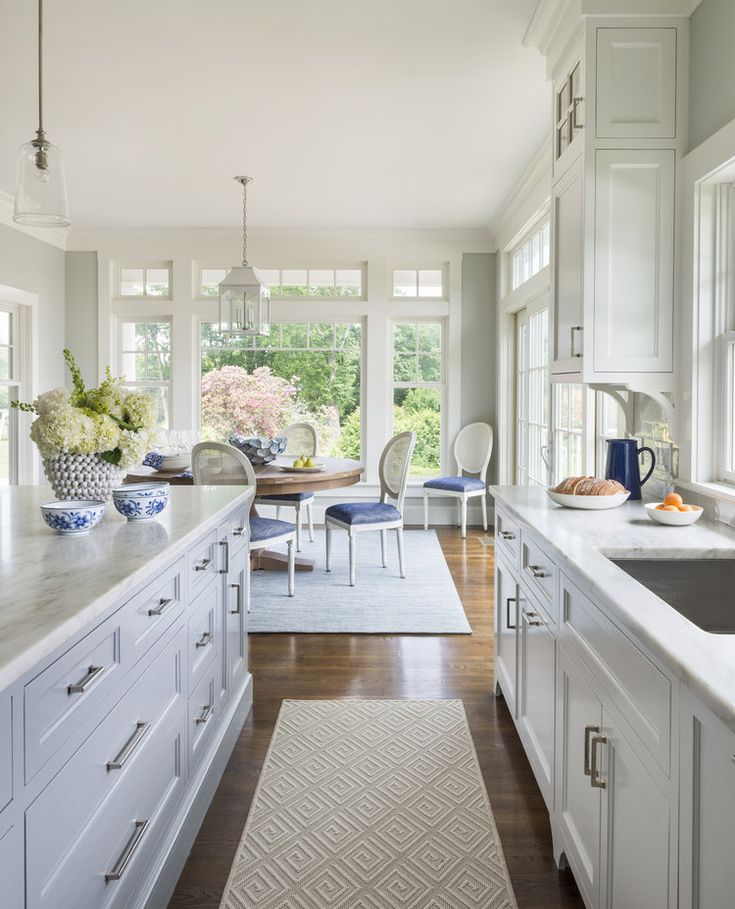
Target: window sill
x=722 y=492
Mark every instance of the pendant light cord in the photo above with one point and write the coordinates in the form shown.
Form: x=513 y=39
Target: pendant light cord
x=245 y=222
x=40 y=67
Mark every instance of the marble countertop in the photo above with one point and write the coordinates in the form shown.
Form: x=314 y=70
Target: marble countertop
x=52 y=586
x=584 y=542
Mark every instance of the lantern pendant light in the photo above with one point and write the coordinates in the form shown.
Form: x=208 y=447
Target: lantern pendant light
x=40 y=197
x=244 y=298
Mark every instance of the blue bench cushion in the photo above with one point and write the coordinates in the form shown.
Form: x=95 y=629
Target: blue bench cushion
x=364 y=513
x=288 y=497
x=266 y=528
x=455 y=484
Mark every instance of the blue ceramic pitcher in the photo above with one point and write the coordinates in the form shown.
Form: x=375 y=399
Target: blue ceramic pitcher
x=623 y=464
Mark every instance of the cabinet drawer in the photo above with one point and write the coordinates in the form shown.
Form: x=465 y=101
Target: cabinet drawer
x=202 y=717
x=236 y=529
x=70 y=867
x=539 y=572
x=203 y=633
x=6 y=750
x=202 y=562
x=153 y=610
x=507 y=536
x=63 y=696
x=640 y=691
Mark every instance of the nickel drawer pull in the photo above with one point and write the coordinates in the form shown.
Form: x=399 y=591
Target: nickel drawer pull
x=587 y=731
x=508 y=623
x=528 y=616
x=84 y=683
x=538 y=572
x=507 y=535
x=226 y=568
x=596 y=780
x=238 y=610
x=238 y=532
x=163 y=605
x=206 y=713
x=203 y=565
x=205 y=639
x=129 y=747
x=128 y=852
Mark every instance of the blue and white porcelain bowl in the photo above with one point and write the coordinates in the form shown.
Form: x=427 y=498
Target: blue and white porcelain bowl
x=73 y=517
x=141 y=501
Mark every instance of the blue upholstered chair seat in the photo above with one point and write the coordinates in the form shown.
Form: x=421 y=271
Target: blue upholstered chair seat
x=267 y=529
x=289 y=497
x=363 y=512
x=455 y=484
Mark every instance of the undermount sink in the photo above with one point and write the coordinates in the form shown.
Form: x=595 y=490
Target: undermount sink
x=702 y=590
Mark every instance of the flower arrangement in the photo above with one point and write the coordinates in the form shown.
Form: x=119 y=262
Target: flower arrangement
x=110 y=421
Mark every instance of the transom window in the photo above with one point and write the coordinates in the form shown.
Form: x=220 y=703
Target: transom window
x=144 y=281
x=144 y=350
x=301 y=372
x=418 y=388
x=530 y=256
x=423 y=283
x=317 y=283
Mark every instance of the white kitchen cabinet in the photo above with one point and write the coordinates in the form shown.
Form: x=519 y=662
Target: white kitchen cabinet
x=707 y=795
x=506 y=637
x=578 y=801
x=236 y=637
x=634 y=260
x=567 y=243
x=536 y=693
x=636 y=83
x=569 y=112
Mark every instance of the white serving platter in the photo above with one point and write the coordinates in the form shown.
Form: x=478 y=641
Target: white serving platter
x=317 y=469
x=588 y=503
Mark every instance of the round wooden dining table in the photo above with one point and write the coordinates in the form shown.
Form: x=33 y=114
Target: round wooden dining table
x=272 y=480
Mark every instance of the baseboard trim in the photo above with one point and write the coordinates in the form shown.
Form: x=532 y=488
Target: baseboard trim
x=165 y=872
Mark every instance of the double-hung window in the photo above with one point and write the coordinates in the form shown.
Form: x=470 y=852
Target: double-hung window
x=532 y=397
x=10 y=355
x=144 y=355
x=418 y=390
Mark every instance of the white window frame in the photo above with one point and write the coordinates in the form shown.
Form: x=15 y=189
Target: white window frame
x=23 y=307
x=443 y=267
x=525 y=244
x=441 y=385
x=522 y=471
x=199 y=267
x=166 y=265
x=14 y=382
x=129 y=383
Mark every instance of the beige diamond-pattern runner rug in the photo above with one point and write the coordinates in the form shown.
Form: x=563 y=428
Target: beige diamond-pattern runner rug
x=370 y=805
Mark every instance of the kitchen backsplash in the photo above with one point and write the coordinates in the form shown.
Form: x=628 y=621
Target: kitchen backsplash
x=652 y=428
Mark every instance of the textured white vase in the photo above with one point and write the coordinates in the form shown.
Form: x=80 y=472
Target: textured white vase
x=82 y=476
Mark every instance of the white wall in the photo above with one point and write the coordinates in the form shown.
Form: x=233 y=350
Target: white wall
x=81 y=311
x=711 y=69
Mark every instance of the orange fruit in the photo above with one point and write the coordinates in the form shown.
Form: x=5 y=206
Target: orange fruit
x=660 y=507
x=670 y=508
x=673 y=498
x=686 y=508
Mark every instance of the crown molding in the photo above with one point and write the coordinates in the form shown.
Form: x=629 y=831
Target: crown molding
x=54 y=236
x=538 y=169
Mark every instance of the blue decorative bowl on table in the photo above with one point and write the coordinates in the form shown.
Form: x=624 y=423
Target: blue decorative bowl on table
x=259 y=449
x=73 y=517
x=141 y=501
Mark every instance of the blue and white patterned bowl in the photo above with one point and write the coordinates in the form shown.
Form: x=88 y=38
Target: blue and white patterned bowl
x=73 y=517
x=141 y=501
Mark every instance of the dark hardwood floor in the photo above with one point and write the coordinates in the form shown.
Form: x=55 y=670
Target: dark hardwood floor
x=374 y=666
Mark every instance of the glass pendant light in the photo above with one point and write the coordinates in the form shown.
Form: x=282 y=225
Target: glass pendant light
x=40 y=197
x=244 y=298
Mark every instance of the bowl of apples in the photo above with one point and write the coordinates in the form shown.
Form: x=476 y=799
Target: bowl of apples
x=673 y=511
x=303 y=464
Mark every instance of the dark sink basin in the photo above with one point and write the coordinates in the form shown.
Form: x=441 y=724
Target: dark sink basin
x=702 y=590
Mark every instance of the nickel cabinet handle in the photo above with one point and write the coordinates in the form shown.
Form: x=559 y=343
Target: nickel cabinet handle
x=588 y=730
x=596 y=780
x=238 y=532
x=508 y=623
x=205 y=639
x=84 y=683
x=574 y=328
x=203 y=565
x=163 y=605
x=538 y=572
x=129 y=747
x=507 y=535
x=206 y=713
x=528 y=616
x=575 y=106
x=238 y=610
x=128 y=852
x=226 y=568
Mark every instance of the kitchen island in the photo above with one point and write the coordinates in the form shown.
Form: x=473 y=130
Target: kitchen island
x=123 y=686
x=625 y=706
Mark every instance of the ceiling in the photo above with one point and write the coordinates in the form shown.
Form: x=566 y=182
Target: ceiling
x=377 y=114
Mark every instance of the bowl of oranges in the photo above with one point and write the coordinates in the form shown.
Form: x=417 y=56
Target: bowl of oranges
x=673 y=511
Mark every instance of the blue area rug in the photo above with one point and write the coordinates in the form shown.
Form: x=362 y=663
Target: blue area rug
x=425 y=602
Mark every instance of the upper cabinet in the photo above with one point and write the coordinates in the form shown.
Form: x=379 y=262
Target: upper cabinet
x=617 y=109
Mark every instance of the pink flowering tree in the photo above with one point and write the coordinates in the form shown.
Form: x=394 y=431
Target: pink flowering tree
x=245 y=403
